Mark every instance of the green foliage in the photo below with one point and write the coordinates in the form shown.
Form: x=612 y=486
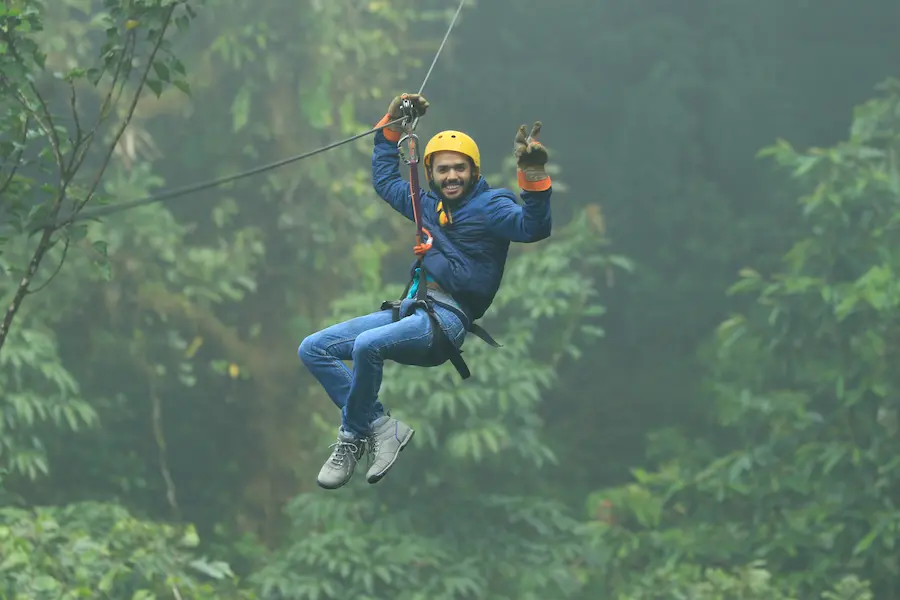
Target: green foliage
x=57 y=131
x=804 y=472
x=661 y=123
x=35 y=391
x=751 y=582
x=172 y=330
x=95 y=551
x=413 y=547
x=136 y=299
x=165 y=292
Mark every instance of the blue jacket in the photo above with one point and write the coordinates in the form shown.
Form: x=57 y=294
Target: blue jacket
x=468 y=256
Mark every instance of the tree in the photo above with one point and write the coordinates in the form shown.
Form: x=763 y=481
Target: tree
x=803 y=471
x=44 y=164
x=95 y=550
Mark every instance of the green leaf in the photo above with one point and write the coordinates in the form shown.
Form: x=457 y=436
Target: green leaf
x=240 y=108
x=155 y=86
x=14 y=560
x=190 y=539
x=182 y=85
x=161 y=70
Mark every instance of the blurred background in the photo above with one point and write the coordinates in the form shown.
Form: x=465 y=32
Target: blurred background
x=696 y=397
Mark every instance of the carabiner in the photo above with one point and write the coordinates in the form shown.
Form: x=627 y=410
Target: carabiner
x=412 y=141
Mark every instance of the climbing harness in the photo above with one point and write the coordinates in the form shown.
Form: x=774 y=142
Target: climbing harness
x=442 y=345
x=100 y=211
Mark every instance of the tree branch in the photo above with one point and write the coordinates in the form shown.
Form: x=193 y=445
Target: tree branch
x=84 y=144
x=160 y=438
x=107 y=101
x=142 y=360
x=15 y=91
x=131 y=108
x=79 y=138
x=50 y=127
x=73 y=106
x=18 y=156
x=45 y=241
x=22 y=289
x=62 y=261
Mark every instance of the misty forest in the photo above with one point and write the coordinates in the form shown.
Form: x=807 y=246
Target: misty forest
x=694 y=397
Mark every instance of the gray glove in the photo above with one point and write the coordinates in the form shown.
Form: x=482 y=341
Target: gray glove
x=531 y=155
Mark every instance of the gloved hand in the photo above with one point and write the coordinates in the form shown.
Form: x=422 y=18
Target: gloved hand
x=425 y=246
x=531 y=156
x=420 y=104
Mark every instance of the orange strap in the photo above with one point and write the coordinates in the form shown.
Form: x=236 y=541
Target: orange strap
x=421 y=249
x=389 y=134
x=533 y=186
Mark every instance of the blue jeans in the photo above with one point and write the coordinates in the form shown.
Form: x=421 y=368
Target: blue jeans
x=368 y=341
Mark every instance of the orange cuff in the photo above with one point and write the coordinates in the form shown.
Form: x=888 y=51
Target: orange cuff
x=392 y=136
x=533 y=186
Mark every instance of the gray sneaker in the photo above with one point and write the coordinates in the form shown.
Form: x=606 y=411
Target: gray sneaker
x=338 y=469
x=389 y=437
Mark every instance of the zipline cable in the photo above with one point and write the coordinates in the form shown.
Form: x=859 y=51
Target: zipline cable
x=437 y=54
x=99 y=211
x=441 y=47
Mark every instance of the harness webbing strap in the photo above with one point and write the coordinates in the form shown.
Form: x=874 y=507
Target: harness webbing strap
x=483 y=335
x=441 y=343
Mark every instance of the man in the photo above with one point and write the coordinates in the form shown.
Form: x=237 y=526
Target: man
x=469 y=226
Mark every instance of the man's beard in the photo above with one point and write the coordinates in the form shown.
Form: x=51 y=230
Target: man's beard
x=465 y=187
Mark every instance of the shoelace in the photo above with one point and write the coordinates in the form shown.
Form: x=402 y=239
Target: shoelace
x=340 y=451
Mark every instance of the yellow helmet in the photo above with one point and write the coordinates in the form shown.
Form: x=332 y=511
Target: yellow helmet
x=455 y=141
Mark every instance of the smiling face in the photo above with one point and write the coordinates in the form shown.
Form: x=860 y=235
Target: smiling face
x=452 y=174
